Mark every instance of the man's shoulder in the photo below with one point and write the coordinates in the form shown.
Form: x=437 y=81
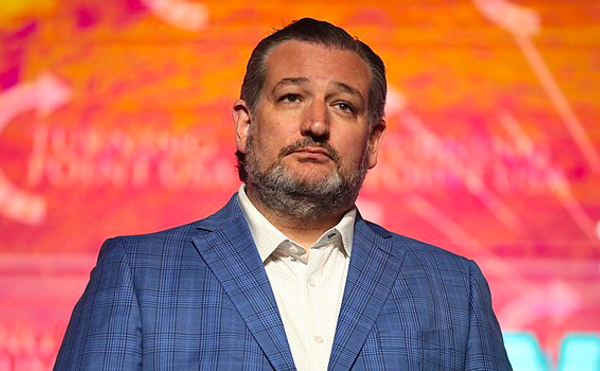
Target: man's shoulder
x=158 y=244
x=416 y=252
x=172 y=234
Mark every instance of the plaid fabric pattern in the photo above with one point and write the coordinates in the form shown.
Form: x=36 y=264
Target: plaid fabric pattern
x=197 y=297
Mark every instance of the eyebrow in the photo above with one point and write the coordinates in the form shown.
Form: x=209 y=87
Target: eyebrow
x=349 y=89
x=290 y=81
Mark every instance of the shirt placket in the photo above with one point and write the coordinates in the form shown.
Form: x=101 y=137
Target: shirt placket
x=317 y=305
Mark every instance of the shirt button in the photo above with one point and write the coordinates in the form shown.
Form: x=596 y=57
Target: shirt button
x=312 y=283
x=319 y=339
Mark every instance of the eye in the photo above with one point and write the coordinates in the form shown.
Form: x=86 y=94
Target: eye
x=345 y=106
x=290 y=98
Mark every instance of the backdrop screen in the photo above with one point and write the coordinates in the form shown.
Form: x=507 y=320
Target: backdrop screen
x=115 y=118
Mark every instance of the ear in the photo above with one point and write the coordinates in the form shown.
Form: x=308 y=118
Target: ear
x=242 y=119
x=375 y=143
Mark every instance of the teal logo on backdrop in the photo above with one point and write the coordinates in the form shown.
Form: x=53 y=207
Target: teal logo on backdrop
x=578 y=352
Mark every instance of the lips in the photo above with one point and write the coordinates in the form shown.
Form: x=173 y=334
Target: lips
x=313 y=152
x=309 y=148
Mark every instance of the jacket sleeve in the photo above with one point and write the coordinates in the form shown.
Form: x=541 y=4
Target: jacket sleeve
x=104 y=332
x=485 y=348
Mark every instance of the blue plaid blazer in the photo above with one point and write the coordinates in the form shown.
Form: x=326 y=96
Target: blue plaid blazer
x=197 y=297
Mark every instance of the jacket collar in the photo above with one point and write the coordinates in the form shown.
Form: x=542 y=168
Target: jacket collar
x=374 y=267
x=225 y=243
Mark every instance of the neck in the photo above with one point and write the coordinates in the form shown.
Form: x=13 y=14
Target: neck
x=305 y=231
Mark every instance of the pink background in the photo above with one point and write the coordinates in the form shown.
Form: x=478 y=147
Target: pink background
x=115 y=119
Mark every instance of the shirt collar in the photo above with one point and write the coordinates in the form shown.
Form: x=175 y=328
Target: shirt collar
x=267 y=237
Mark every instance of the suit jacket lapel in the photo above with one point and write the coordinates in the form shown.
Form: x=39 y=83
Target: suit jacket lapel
x=371 y=275
x=228 y=249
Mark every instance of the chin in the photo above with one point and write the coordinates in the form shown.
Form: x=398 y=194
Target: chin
x=311 y=174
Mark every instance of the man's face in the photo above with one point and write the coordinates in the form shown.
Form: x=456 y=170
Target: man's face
x=311 y=120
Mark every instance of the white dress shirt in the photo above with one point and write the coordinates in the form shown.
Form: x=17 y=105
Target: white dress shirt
x=308 y=291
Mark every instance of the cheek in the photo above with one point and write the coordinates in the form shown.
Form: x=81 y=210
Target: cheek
x=268 y=143
x=273 y=124
x=275 y=136
x=353 y=145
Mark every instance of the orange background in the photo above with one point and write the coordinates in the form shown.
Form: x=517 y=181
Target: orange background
x=115 y=119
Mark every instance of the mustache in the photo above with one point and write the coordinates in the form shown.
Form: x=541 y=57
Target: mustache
x=310 y=142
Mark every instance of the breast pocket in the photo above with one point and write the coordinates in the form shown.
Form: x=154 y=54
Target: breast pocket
x=411 y=349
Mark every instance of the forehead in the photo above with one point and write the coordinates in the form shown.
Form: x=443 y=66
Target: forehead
x=320 y=64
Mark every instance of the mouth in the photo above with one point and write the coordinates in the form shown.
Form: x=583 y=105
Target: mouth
x=313 y=152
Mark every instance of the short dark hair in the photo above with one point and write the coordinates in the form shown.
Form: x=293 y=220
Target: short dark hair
x=321 y=33
x=315 y=32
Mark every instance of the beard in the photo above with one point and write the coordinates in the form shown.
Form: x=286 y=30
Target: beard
x=292 y=196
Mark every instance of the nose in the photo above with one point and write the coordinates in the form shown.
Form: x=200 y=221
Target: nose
x=316 y=122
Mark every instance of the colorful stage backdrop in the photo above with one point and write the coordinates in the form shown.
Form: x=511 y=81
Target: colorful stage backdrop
x=115 y=118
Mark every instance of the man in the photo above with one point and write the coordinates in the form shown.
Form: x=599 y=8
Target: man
x=288 y=275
